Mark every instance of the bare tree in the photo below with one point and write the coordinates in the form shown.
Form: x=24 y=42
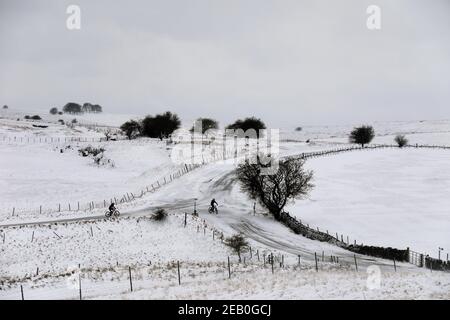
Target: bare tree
x=291 y=181
x=401 y=141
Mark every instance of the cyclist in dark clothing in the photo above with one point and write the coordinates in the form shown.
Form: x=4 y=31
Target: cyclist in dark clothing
x=214 y=205
x=112 y=207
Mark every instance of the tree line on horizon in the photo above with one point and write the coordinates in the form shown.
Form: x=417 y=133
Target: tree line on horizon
x=75 y=108
x=163 y=125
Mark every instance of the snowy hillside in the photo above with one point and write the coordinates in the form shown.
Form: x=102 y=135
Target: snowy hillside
x=389 y=197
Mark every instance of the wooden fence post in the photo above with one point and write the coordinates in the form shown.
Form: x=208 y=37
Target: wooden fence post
x=179 y=276
x=229 y=269
x=395 y=267
x=131 y=279
x=271 y=261
x=79 y=285
x=299 y=261
x=356 y=264
x=21 y=292
x=315 y=259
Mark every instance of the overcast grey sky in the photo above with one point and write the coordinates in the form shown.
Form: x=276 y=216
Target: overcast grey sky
x=289 y=62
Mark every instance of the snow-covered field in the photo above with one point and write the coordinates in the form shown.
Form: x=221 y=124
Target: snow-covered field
x=388 y=197
x=126 y=241
x=248 y=281
x=40 y=174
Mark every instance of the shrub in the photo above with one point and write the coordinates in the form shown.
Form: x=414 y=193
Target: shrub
x=159 y=214
x=27 y=117
x=5 y=107
x=362 y=135
x=160 y=126
x=74 y=121
x=54 y=111
x=131 y=129
x=72 y=107
x=207 y=124
x=61 y=121
x=90 y=151
x=238 y=243
x=109 y=133
x=89 y=107
x=274 y=191
x=36 y=117
x=246 y=124
x=401 y=141
x=298 y=129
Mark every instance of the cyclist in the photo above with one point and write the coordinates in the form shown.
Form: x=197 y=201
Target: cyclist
x=214 y=205
x=112 y=208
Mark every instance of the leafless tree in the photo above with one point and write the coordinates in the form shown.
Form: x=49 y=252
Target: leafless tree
x=291 y=181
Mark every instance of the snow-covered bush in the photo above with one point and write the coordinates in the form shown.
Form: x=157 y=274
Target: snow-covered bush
x=401 y=141
x=97 y=154
x=159 y=215
x=90 y=151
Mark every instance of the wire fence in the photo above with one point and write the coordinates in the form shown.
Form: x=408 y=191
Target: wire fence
x=418 y=259
x=186 y=168
x=36 y=140
x=91 y=281
x=129 y=196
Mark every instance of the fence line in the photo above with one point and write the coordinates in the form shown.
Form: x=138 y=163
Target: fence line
x=399 y=255
x=128 y=196
x=137 y=271
x=407 y=255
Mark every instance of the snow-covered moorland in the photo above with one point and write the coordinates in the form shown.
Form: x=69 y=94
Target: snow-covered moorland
x=388 y=197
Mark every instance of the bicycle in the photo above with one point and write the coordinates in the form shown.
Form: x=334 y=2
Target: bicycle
x=213 y=209
x=115 y=213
